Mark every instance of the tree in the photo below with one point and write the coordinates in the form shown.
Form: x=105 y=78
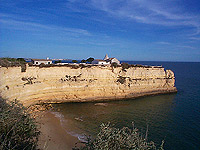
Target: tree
x=90 y=60
x=83 y=61
x=21 y=59
x=57 y=61
x=74 y=61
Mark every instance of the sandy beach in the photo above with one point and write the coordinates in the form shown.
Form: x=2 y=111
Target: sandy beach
x=53 y=136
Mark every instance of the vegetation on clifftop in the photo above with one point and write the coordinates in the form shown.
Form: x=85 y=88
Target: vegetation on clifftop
x=18 y=129
x=13 y=62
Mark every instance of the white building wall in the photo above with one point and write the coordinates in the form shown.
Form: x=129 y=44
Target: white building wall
x=103 y=63
x=100 y=62
x=115 y=60
x=37 y=62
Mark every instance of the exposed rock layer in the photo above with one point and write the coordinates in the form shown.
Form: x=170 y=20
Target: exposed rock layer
x=64 y=84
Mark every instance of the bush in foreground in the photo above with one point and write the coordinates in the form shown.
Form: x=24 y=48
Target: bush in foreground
x=18 y=129
x=111 y=138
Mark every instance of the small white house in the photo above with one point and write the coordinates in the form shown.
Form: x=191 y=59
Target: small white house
x=106 y=61
x=100 y=62
x=41 y=61
x=114 y=60
x=111 y=60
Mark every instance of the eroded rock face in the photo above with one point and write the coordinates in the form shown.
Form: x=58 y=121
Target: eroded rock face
x=64 y=84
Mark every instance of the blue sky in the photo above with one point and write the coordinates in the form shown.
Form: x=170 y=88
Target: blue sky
x=151 y=30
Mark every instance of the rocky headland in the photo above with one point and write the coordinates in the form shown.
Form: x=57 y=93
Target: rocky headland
x=59 y=84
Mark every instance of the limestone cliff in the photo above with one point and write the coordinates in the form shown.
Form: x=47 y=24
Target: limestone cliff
x=65 y=84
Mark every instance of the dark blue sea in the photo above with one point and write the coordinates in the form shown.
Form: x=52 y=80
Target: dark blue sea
x=174 y=118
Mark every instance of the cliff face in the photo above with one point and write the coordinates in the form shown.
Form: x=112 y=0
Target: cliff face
x=64 y=84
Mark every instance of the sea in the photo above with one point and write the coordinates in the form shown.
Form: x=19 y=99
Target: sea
x=174 y=118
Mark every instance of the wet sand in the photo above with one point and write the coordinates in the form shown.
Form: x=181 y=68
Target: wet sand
x=53 y=136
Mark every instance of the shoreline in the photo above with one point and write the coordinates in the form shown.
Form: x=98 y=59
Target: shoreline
x=53 y=136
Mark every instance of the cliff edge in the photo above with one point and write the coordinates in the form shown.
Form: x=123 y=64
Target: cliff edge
x=67 y=84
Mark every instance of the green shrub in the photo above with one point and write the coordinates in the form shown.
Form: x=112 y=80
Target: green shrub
x=23 y=67
x=13 y=62
x=74 y=66
x=18 y=130
x=138 y=65
x=114 y=65
x=90 y=60
x=82 y=66
x=74 y=61
x=111 y=138
x=83 y=61
x=125 y=66
x=57 y=61
x=21 y=59
x=30 y=64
